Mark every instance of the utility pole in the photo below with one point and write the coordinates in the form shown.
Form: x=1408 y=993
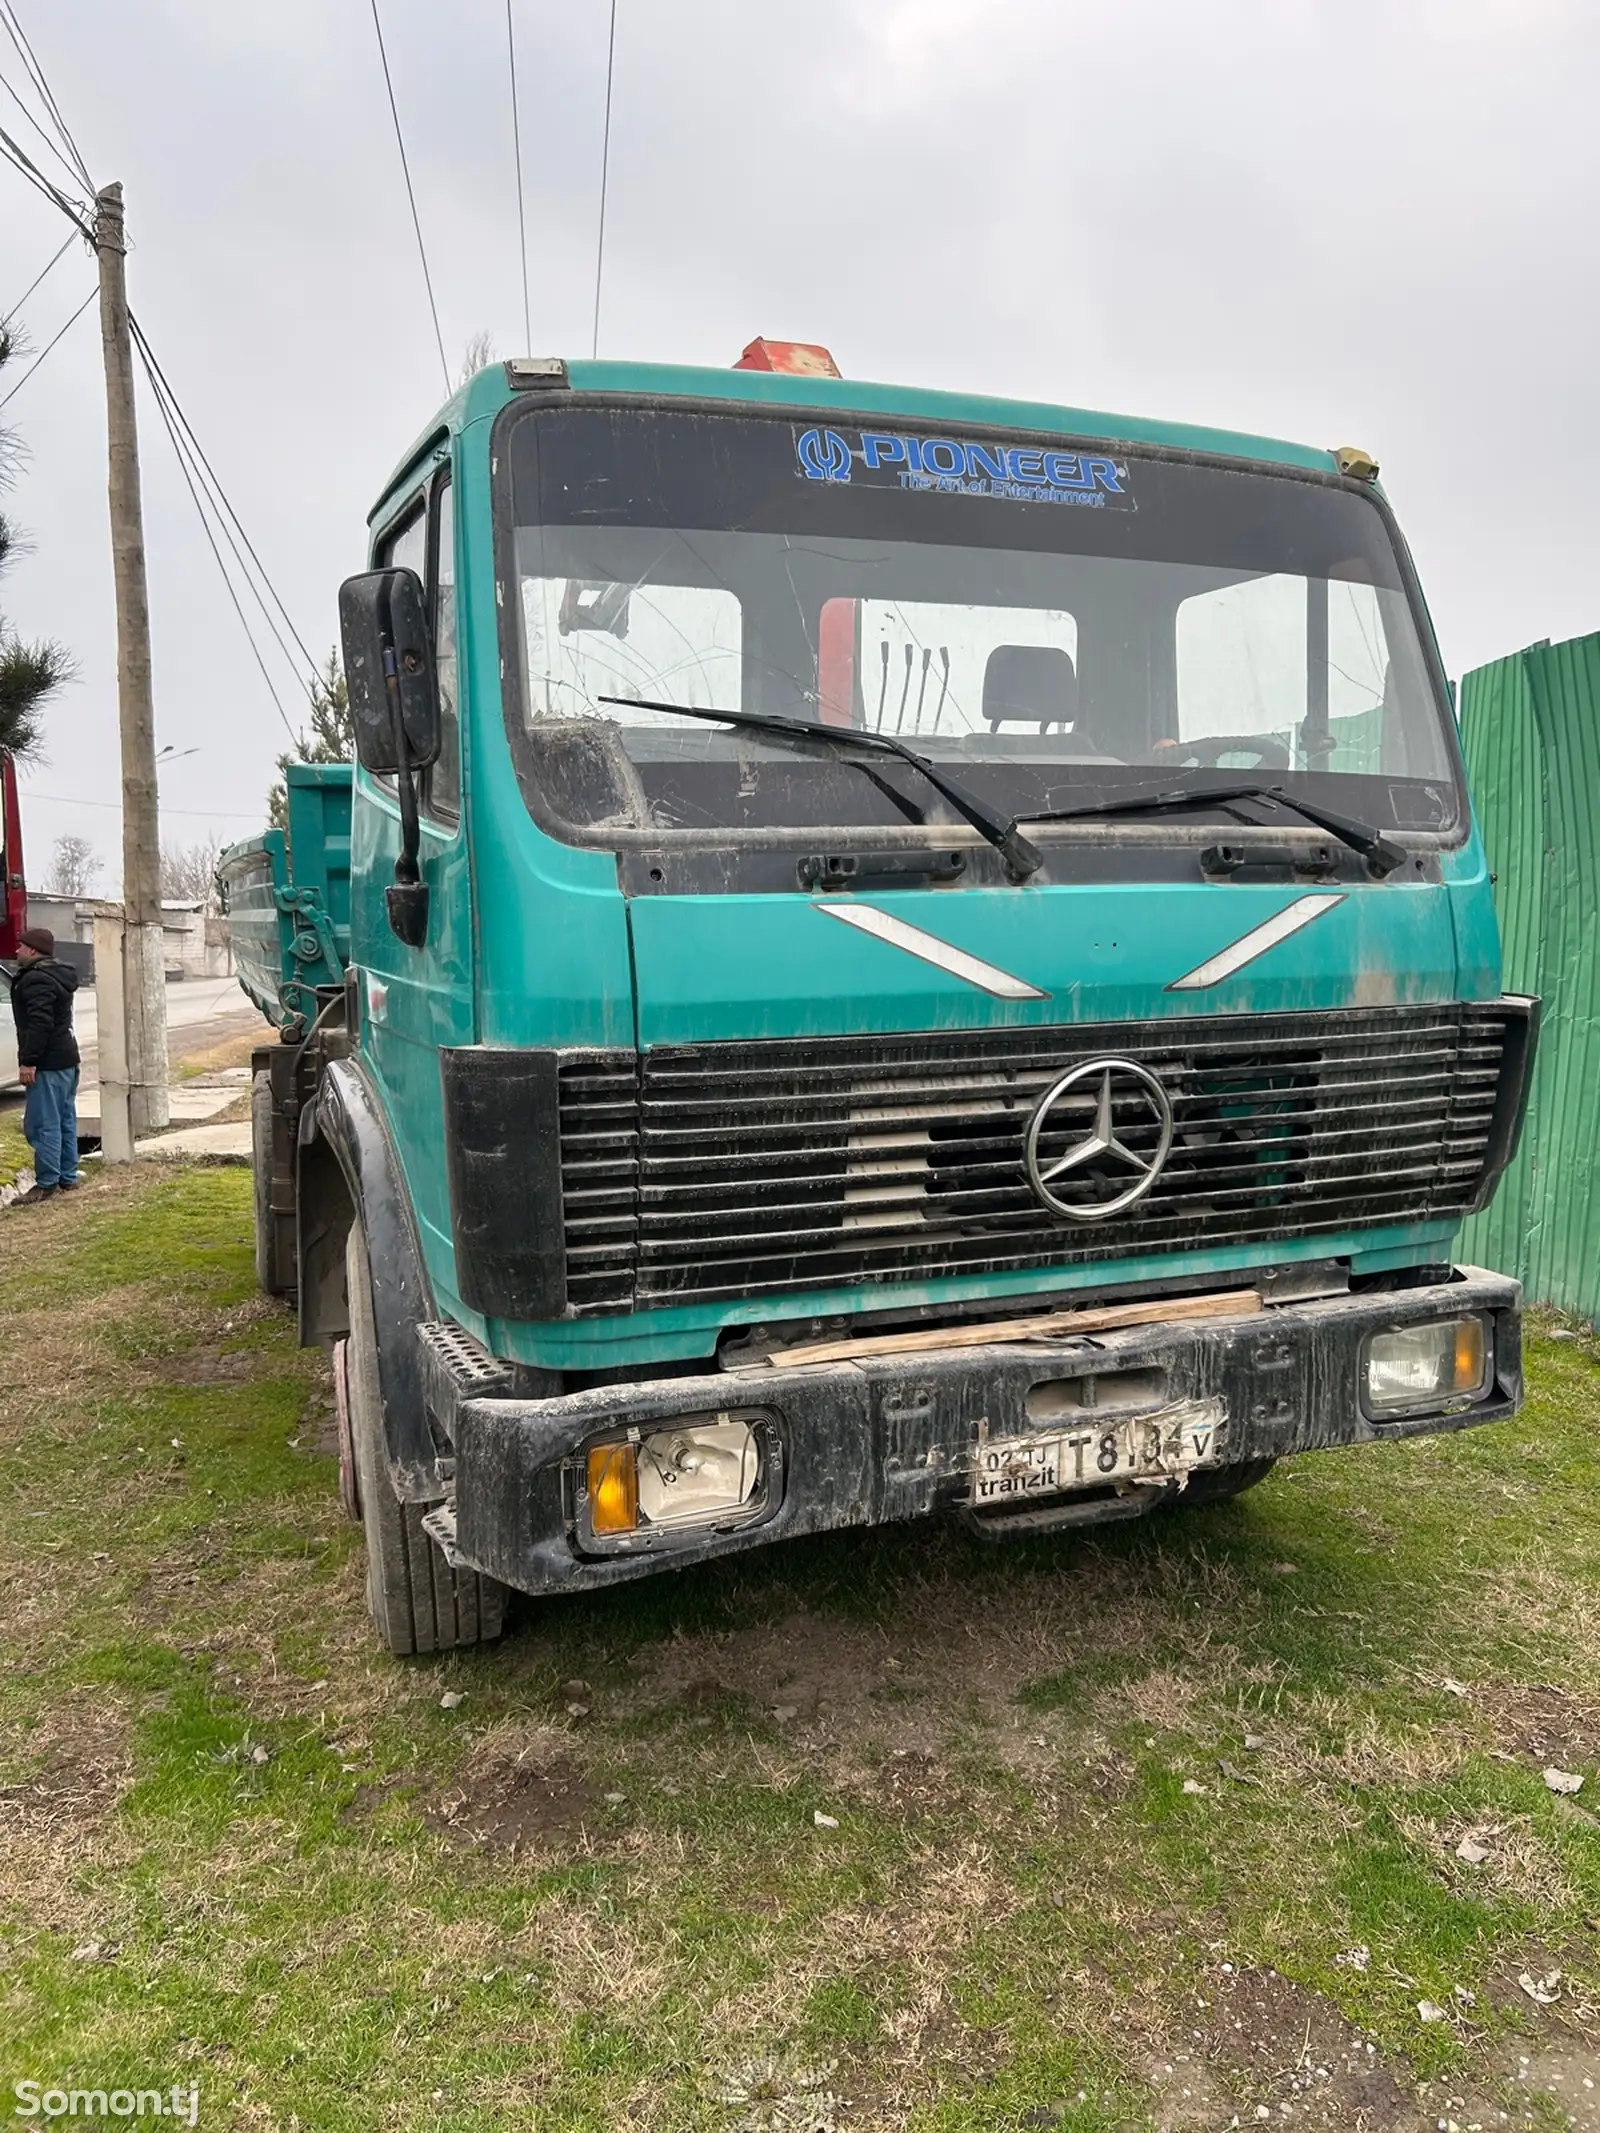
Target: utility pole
x=143 y=973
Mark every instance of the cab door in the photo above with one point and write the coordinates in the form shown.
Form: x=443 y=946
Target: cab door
x=415 y=1001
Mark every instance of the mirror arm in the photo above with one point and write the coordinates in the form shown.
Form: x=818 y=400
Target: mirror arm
x=407 y=898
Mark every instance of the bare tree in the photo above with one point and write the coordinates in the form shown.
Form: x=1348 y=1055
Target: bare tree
x=189 y=872
x=332 y=738
x=29 y=673
x=478 y=352
x=73 y=866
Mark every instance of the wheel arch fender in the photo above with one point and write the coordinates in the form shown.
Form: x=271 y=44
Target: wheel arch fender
x=348 y=1171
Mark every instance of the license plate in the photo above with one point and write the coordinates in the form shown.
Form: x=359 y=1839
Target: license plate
x=1155 y=1447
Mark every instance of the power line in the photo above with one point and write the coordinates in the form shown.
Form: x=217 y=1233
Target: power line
x=516 y=143
x=605 y=174
x=20 y=160
x=205 y=527
x=172 y=418
x=416 y=220
x=218 y=497
x=28 y=291
x=36 y=75
x=204 y=814
x=38 y=129
x=177 y=425
x=199 y=476
x=45 y=350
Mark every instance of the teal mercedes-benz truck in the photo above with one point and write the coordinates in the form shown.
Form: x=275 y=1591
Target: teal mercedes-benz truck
x=885 y=955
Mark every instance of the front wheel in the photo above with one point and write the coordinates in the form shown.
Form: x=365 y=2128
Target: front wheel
x=417 y=1602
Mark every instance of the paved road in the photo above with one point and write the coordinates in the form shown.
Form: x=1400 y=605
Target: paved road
x=201 y=1013
x=192 y=1008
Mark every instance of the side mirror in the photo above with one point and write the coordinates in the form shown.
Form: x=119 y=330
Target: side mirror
x=383 y=620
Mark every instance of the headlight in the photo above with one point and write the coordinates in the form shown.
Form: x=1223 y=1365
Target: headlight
x=704 y=1472
x=700 y=1472
x=1422 y=1366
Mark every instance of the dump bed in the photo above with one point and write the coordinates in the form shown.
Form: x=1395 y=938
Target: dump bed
x=287 y=896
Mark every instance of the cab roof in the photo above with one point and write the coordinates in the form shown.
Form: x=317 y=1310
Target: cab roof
x=488 y=391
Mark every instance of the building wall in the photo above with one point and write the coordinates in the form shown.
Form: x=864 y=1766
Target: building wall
x=196 y=942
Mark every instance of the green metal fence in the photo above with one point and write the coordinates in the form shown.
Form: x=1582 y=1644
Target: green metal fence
x=1530 y=726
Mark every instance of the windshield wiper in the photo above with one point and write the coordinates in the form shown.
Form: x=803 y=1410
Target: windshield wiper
x=1020 y=856
x=1382 y=856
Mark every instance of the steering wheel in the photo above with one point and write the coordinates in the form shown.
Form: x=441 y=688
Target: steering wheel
x=1205 y=754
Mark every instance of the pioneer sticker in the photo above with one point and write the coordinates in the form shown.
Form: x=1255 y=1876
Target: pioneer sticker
x=964 y=466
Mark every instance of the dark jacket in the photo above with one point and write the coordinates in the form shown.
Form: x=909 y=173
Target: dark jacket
x=41 y=1003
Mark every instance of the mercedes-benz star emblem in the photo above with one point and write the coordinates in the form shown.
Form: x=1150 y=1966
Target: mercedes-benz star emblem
x=1108 y=1080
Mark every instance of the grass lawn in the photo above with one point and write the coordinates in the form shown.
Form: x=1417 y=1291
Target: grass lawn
x=1155 y=1830
x=15 y=1154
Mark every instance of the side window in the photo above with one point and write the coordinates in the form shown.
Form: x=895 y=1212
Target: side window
x=406 y=548
x=444 y=780
x=424 y=542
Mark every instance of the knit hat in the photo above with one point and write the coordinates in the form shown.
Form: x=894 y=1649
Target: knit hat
x=39 y=938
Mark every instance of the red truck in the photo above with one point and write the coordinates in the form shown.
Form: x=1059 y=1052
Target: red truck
x=13 y=901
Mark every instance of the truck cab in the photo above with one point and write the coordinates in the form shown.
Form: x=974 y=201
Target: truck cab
x=907 y=955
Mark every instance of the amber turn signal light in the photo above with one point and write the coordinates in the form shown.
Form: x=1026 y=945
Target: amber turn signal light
x=613 y=1488
x=1469 y=1371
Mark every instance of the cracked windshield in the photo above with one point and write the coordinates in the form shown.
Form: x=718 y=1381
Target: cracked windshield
x=1046 y=642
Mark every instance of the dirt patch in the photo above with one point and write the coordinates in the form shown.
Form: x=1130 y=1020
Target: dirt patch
x=211 y=1366
x=1543 y=1723
x=951 y=1680
x=77 y=1784
x=319 y=1423
x=832 y=1686
x=1576 y=2004
x=523 y=1806
x=367 y=1801
x=1187 y=2097
x=913 y=1783
x=1564 y=2070
x=223 y=1040
x=1265 y=2048
x=59 y=1808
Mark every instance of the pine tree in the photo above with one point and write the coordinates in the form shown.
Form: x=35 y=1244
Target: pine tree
x=332 y=738
x=29 y=673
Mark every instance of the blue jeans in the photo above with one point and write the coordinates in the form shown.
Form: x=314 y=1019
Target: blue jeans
x=50 y=1125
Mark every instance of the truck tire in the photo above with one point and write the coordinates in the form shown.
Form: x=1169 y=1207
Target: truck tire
x=261 y=1166
x=1215 y=1484
x=417 y=1602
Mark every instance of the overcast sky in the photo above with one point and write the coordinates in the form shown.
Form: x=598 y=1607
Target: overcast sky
x=1364 y=221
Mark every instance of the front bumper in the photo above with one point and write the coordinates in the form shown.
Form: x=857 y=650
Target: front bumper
x=886 y=1438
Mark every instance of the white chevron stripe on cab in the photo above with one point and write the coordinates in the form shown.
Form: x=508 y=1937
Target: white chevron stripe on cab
x=1254 y=943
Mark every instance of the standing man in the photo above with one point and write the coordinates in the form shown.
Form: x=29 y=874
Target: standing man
x=47 y=1056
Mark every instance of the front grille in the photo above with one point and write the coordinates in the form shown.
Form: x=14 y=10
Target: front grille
x=708 y=1172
